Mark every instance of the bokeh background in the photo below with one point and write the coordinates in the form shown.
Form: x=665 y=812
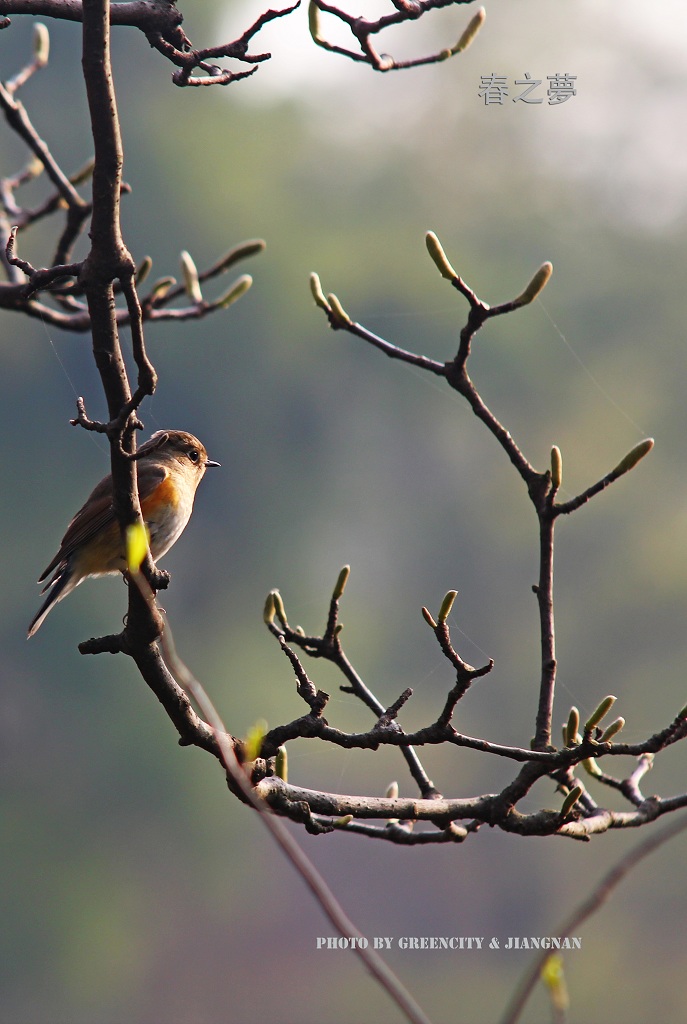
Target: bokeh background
x=133 y=889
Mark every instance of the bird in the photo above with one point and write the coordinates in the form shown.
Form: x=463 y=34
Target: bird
x=170 y=465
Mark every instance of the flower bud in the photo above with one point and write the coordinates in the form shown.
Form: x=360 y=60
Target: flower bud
x=633 y=457
x=435 y=250
x=239 y=288
x=536 y=285
x=190 y=273
x=600 y=712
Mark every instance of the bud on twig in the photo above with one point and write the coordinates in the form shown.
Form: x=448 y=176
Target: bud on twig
x=241 y=252
x=570 y=801
x=281 y=764
x=160 y=288
x=613 y=730
x=337 y=312
x=254 y=738
x=341 y=582
x=279 y=609
x=136 y=545
x=591 y=767
x=437 y=253
x=633 y=457
x=392 y=791
x=536 y=285
x=317 y=293
x=143 y=269
x=239 y=288
x=600 y=712
x=446 y=606
x=314 y=21
x=572 y=729
x=190 y=273
x=428 y=618
x=41 y=44
x=269 y=609
x=469 y=35
x=556 y=467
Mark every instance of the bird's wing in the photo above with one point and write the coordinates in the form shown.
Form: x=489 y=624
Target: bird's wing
x=97 y=513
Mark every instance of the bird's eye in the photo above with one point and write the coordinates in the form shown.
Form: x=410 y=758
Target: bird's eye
x=194 y=455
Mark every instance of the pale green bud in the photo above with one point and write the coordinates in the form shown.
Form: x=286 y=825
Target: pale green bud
x=317 y=293
x=253 y=741
x=41 y=44
x=435 y=250
x=536 y=285
x=392 y=791
x=314 y=21
x=281 y=764
x=613 y=730
x=556 y=467
x=473 y=27
x=143 y=269
x=447 y=605
x=238 y=289
x=570 y=800
x=190 y=274
x=600 y=712
x=341 y=582
x=591 y=767
x=269 y=610
x=572 y=728
x=633 y=457
x=161 y=287
x=338 y=313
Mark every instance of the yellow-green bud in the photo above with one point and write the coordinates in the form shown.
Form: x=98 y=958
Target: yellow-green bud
x=269 y=610
x=281 y=764
x=341 y=582
x=473 y=27
x=613 y=730
x=342 y=822
x=41 y=44
x=435 y=250
x=571 y=730
x=317 y=293
x=556 y=467
x=536 y=285
x=254 y=738
x=279 y=609
x=137 y=538
x=338 y=313
x=600 y=712
x=570 y=800
x=143 y=269
x=633 y=457
x=241 y=252
x=190 y=273
x=314 y=21
x=239 y=288
x=591 y=767
x=428 y=618
x=447 y=605
x=161 y=287
x=553 y=977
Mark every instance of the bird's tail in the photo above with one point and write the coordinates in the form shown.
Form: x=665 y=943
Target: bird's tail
x=61 y=585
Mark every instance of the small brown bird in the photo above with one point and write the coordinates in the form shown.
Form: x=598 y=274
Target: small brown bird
x=169 y=471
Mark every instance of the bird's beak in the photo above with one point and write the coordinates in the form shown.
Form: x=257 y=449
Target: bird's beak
x=210 y=463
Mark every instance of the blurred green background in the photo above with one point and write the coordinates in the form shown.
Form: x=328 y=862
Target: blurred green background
x=133 y=888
